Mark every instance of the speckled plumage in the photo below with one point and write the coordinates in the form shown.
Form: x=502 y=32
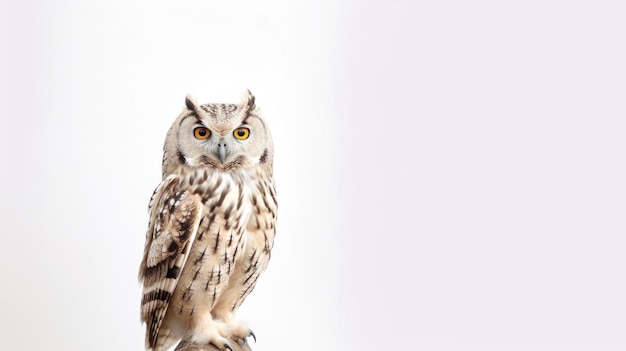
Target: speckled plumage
x=212 y=225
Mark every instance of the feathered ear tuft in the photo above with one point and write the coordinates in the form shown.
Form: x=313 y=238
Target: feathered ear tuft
x=194 y=106
x=190 y=102
x=249 y=100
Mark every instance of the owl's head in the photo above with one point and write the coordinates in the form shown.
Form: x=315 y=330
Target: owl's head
x=225 y=137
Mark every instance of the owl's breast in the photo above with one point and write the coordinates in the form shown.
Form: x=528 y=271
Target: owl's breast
x=219 y=241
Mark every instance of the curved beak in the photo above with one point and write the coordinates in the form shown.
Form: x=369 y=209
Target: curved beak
x=221 y=151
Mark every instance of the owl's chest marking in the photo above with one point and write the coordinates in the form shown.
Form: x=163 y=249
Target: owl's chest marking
x=219 y=241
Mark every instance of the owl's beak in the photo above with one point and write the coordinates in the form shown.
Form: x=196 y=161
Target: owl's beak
x=221 y=151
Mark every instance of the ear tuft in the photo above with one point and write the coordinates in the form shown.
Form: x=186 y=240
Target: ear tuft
x=190 y=102
x=249 y=101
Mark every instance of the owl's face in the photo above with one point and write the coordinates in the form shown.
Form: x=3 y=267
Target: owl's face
x=226 y=137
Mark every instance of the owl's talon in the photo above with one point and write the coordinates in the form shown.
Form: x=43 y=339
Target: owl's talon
x=227 y=346
x=252 y=335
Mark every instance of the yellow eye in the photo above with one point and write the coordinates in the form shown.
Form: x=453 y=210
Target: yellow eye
x=241 y=133
x=201 y=133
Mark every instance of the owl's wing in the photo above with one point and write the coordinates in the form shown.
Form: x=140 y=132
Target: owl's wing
x=174 y=218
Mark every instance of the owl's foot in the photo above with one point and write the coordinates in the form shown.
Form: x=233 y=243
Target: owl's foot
x=239 y=331
x=213 y=333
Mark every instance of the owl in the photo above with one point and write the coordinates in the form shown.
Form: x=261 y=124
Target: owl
x=211 y=227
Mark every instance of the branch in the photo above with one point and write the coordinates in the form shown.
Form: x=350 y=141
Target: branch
x=185 y=345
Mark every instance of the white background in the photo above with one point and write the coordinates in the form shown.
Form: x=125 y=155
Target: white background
x=451 y=174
